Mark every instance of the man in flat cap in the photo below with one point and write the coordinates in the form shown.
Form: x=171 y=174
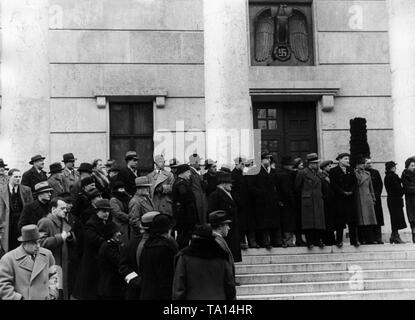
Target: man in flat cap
x=184 y=206
x=198 y=186
x=344 y=183
x=35 y=174
x=25 y=271
x=129 y=173
x=70 y=175
x=39 y=208
x=161 y=186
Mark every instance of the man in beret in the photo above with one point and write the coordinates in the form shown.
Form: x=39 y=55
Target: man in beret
x=198 y=186
x=39 y=208
x=26 y=270
x=70 y=175
x=184 y=206
x=35 y=174
x=12 y=201
x=161 y=186
x=129 y=173
x=344 y=183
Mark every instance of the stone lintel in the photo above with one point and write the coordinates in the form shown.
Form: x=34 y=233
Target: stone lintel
x=157 y=94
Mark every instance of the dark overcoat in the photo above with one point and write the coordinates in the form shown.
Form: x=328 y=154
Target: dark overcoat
x=128 y=177
x=33 y=212
x=211 y=181
x=184 y=204
x=408 y=182
x=394 y=189
x=365 y=198
x=31 y=177
x=157 y=268
x=203 y=272
x=111 y=284
x=328 y=198
x=377 y=187
x=220 y=200
x=312 y=205
x=265 y=198
x=86 y=287
x=119 y=211
x=345 y=205
x=240 y=194
x=285 y=180
x=198 y=186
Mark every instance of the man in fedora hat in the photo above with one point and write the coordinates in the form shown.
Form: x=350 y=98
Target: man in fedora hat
x=25 y=271
x=3 y=176
x=59 y=239
x=157 y=260
x=56 y=179
x=140 y=204
x=211 y=176
x=308 y=183
x=129 y=173
x=161 y=186
x=285 y=183
x=173 y=163
x=222 y=199
x=202 y=270
x=39 y=208
x=12 y=201
x=344 y=183
x=84 y=171
x=198 y=186
x=184 y=206
x=70 y=175
x=35 y=174
x=131 y=255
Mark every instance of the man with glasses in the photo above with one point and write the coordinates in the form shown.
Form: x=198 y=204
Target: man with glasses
x=25 y=271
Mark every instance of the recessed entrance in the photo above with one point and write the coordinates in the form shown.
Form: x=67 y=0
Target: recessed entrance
x=287 y=128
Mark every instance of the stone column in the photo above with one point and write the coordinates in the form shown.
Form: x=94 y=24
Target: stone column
x=227 y=101
x=24 y=120
x=402 y=59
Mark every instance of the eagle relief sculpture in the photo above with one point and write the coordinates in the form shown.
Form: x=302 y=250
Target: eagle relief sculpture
x=280 y=33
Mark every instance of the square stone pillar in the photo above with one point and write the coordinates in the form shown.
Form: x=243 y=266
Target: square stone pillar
x=24 y=121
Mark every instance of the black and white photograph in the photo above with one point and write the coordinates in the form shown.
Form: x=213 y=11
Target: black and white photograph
x=184 y=151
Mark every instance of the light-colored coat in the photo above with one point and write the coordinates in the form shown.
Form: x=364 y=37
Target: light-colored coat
x=20 y=276
x=312 y=206
x=138 y=206
x=26 y=196
x=161 y=189
x=53 y=227
x=365 y=197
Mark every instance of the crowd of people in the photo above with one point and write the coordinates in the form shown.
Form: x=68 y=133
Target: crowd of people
x=176 y=232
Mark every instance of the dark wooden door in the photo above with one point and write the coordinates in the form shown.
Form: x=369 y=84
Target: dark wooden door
x=287 y=128
x=131 y=128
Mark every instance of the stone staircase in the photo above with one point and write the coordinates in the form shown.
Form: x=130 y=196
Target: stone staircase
x=370 y=272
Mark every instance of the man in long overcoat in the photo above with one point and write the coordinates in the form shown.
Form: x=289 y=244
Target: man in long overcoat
x=265 y=197
x=198 y=186
x=285 y=182
x=344 y=184
x=58 y=238
x=35 y=174
x=70 y=175
x=221 y=199
x=184 y=206
x=139 y=204
x=312 y=205
x=25 y=271
x=12 y=201
x=56 y=180
x=129 y=173
x=377 y=187
x=161 y=186
x=365 y=199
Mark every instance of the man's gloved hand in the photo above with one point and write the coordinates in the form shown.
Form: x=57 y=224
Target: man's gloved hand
x=135 y=282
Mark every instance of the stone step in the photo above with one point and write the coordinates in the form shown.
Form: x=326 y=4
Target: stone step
x=327 y=257
x=330 y=249
x=323 y=266
x=393 y=294
x=325 y=276
x=325 y=286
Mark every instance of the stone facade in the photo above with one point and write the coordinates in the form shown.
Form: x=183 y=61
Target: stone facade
x=94 y=47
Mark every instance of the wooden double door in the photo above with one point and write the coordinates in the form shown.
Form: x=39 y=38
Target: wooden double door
x=287 y=128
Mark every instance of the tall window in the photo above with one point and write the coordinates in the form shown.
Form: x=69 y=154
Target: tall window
x=131 y=128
